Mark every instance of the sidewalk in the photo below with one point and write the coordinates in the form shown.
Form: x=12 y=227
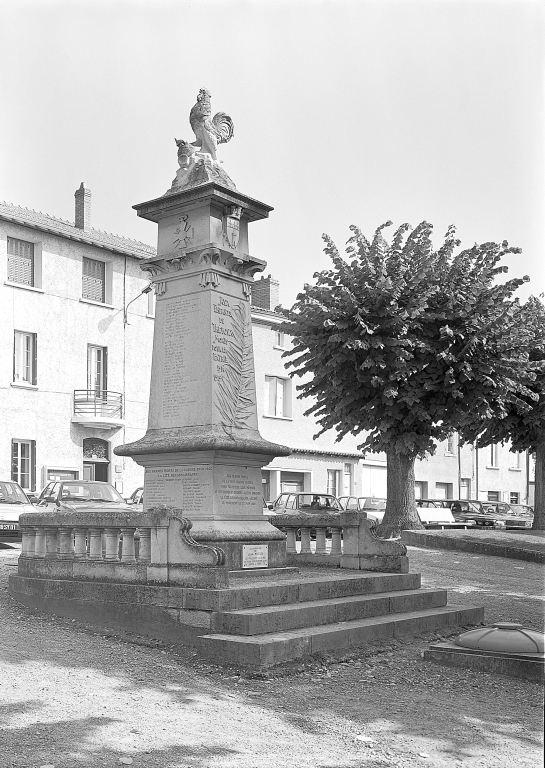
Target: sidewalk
x=519 y=545
x=75 y=696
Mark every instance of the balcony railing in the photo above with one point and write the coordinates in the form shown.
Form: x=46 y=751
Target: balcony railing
x=100 y=408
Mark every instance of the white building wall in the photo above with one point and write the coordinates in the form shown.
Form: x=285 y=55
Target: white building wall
x=65 y=325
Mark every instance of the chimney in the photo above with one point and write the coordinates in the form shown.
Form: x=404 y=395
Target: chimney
x=266 y=293
x=83 y=207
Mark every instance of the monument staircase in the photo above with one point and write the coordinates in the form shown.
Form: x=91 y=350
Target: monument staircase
x=144 y=573
x=297 y=616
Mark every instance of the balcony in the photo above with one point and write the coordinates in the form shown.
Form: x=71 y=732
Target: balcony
x=99 y=409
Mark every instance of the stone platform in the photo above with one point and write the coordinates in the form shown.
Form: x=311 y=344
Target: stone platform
x=260 y=620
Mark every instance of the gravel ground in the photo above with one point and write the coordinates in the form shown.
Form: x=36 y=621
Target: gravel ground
x=73 y=695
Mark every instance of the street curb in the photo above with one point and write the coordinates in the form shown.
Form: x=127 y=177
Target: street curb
x=436 y=541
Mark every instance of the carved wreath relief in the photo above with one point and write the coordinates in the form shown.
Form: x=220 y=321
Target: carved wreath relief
x=233 y=365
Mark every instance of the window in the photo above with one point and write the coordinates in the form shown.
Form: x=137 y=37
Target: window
x=151 y=303
x=347 y=479
x=450 y=444
x=420 y=490
x=24 y=357
x=333 y=481
x=514 y=498
x=20 y=261
x=94 y=280
x=443 y=490
x=23 y=463
x=465 y=488
x=277 y=397
x=493 y=496
x=278 y=338
x=493 y=458
x=515 y=460
x=97 y=369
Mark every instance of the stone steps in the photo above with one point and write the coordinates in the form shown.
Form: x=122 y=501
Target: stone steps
x=302 y=589
x=277 y=618
x=269 y=649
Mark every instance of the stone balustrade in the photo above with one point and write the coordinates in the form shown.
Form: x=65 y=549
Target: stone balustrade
x=152 y=547
x=353 y=542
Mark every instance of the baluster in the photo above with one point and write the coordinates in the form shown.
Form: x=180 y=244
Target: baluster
x=80 y=543
x=39 y=542
x=127 y=552
x=112 y=543
x=95 y=544
x=28 y=542
x=144 y=551
x=65 y=543
x=51 y=543
x=320 y=541
x=305 y=541
x=291 y=544
x=336 y=548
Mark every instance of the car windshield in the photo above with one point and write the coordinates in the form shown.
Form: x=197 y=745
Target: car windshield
x=102 y=492
x=10 y=493
x=522 y=509
x=317 y=501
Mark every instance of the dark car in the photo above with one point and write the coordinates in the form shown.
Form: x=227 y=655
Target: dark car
x=497 y=514
x=80 y=494
x=13 y=502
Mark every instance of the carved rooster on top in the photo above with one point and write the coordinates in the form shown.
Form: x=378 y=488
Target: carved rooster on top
x=209 y=132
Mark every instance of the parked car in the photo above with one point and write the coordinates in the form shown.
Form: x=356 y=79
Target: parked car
x=498 y=514
x=310 y=503
x=80 y=494
x=373 y=506
x=13 y=502
x=136 y=499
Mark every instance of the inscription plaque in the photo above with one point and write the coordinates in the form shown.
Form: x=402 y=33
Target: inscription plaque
x=180 y=385
x=187 y=487
x=255 y=555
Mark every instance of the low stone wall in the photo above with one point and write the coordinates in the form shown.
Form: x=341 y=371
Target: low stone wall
x=472 y=543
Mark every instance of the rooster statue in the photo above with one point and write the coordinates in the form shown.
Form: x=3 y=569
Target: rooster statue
x=209 y=132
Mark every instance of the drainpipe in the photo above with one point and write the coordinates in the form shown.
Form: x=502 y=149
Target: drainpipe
x=459 y=469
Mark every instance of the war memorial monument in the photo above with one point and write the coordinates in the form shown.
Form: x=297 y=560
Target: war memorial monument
x=202 y=564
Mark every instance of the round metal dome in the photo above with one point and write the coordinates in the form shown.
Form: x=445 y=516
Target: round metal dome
x=505 y=637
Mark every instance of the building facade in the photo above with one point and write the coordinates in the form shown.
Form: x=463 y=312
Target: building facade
x=75 y=364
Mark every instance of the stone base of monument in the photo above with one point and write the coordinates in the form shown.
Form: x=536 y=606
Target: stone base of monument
x=258 y=621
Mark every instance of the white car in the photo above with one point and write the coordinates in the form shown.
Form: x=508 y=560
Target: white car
x=13 y=502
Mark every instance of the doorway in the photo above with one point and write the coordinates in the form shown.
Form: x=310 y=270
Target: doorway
x=96 y=463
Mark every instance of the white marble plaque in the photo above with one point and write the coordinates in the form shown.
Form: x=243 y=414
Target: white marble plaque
x=255 y=555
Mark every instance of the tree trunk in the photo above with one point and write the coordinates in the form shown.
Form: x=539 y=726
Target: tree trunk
x=400 y=502
x=539 y=500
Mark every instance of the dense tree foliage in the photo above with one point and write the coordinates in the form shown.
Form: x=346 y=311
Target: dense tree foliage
x=522 y=422
x=406 y=344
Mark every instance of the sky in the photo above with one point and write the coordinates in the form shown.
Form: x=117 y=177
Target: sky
x=345 y=112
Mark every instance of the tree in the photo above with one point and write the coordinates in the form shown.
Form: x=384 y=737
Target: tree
x=522 y=422
x=406 y=345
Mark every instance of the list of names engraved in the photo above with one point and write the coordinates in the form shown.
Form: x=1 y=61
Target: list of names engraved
x=188 y=488
x=179 y=380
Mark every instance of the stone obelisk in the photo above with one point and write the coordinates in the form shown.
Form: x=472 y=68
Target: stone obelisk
x=202 y=451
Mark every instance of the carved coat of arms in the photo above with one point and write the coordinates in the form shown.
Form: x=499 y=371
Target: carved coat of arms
x=231 y=226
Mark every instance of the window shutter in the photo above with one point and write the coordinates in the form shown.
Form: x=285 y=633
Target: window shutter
x=105 y=368
x=94 y=283
x=34 y=358
x=33 y=465
x=20 y=261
